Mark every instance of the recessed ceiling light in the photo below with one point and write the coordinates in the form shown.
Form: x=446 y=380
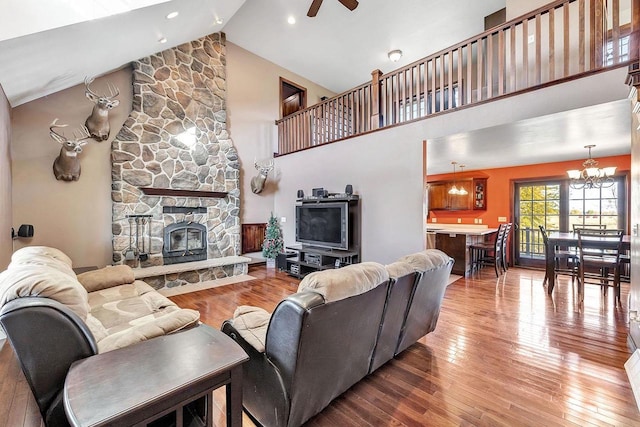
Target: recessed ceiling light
x=173 y=15
x=162 y=39
x=219 y=20
x=291 y=19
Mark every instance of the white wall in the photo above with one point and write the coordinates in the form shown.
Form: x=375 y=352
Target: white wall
x=385 y=167
x=253 y=105
x=6 y=215
x=72 y=216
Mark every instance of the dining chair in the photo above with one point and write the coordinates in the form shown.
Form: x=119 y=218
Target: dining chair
x=505 y=239
x=489 y=253
x=564 y=261
x=577 y=227
x=599 y=259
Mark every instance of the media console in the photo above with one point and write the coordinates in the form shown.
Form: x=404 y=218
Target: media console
x=307 y=259
x=327 y=234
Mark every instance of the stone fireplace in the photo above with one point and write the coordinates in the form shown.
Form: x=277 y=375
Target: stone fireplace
x=173 y=159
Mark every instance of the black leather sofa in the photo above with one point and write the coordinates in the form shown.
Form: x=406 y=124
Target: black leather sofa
x=340 y=326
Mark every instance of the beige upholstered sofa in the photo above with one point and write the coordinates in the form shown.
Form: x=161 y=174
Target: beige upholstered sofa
x=118 y=310
x=341 y=325
x=53 y=317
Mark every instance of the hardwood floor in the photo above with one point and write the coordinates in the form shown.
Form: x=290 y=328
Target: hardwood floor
x=504 y=353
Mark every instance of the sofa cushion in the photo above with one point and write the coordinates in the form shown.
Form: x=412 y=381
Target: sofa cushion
x=124 y=303
x=429 y=259
x=252 y=324
x=28 y=253
x=340 y=283
x=169 y=320
x=399 y=269
x=43 y=256
x=106 y=277
x=126 y=314
x=42 y=280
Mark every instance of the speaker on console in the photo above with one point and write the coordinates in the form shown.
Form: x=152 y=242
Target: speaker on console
x=300 y=194
x=348 y=190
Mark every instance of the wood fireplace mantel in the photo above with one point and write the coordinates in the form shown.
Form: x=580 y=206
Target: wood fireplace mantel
x=183 y=193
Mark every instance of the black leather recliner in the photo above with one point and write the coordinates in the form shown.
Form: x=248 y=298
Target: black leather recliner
x=47 y=338
x=314 y=346
x=314 y=350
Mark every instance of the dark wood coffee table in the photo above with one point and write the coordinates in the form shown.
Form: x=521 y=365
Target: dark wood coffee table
x=144 y=382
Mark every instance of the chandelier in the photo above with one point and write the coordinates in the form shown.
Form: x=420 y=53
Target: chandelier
x=591 y=176
x=455 y=191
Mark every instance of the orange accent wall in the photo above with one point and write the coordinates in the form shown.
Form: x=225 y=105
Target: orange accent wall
x=499 y=195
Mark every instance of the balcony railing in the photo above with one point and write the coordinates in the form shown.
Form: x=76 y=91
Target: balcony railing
x=564 y=40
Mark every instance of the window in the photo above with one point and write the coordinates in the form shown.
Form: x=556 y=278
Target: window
x=595 y=206
x=557 y=207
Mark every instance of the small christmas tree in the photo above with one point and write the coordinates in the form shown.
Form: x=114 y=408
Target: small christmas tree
x=273 y=243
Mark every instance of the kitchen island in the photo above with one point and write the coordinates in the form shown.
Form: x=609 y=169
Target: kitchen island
x=455 y=239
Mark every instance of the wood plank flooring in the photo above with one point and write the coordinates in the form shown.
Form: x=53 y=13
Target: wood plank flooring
x=504 y=353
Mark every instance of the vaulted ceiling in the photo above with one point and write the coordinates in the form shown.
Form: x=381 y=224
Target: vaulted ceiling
x=49 y=46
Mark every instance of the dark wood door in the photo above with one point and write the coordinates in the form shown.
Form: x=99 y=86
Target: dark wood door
x=292 y=104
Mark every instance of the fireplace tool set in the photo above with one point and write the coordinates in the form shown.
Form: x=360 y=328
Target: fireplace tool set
x=140 y=239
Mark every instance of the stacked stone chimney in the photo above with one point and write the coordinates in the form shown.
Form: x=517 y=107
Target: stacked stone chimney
x=176 y=138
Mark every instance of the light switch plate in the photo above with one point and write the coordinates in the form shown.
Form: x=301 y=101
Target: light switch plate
x=502 y=219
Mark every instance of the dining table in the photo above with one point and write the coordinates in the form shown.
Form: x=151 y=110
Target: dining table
x=568 y=239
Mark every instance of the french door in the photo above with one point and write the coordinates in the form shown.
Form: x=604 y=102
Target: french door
x=558 y=207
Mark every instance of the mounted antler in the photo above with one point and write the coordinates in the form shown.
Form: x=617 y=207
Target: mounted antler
x=98 y=121
x=257 y=182
x=66 y=167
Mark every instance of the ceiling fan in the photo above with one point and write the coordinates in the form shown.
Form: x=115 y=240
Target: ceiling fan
x=315 y=6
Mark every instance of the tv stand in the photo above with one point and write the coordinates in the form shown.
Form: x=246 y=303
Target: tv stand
x=308 y=259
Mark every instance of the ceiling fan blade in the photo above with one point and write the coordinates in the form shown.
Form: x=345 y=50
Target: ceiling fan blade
x=313 y=10
x=349 y=4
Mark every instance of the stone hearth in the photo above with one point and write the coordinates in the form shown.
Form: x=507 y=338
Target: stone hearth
x=176 y=139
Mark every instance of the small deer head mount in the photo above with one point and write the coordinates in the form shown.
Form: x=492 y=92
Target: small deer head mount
x=98 y=121
x=66 y=167
x=257 y=182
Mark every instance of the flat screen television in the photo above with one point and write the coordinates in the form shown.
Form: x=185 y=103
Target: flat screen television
x=325 y=225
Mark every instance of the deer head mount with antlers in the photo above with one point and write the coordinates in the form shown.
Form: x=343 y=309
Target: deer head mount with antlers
x=98 y=121
x=257 y=182
x=66 y=167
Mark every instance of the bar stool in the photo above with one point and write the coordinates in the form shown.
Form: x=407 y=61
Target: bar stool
x=487 y=253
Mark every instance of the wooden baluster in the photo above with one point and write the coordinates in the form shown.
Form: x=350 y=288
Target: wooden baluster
x=581 y=36
x=566 y=53
x=538 y=43
x=490 y=66
x=615 y=33
x=596 y=38
x=450 y=80
x=460 y=82
x=512 y=57
x=479 y=68
x=469 y=99
x=552 y=37
x=501 y=59
x=434 y=69
x=525 y=53
x=411 y=83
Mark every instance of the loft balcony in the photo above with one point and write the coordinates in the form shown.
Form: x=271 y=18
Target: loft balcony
x=564 y=40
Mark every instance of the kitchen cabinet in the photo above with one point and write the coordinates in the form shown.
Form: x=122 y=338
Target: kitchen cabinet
x=439 y=198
